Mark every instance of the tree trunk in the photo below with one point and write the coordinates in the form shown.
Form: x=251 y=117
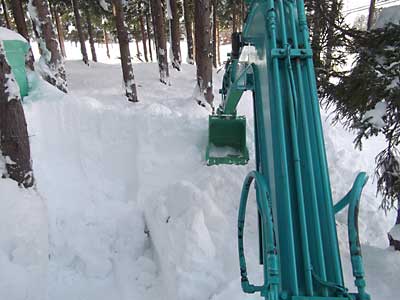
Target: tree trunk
x=126 y=59
x=243 y=13
x=106 y=41
x=161 y=41
x=203 y=49
x=218 y=46
x=175 y=35
x=90 y=33
x=234 y=19
x=371 y=15
x=5 y=13
x=19 y=17
x=316 y=35
x=78 y=26
x=149 y=34
x=189 y=30
x=335 y=7
x=14 y=139
x=144 y=37
x=60 y=31
x=139 y=54
x=55 y=71
x=393 y=242
x=215 y=28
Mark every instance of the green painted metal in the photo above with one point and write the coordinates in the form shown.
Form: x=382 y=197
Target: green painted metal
x=298 y=237
x=229 y=134
x=16 y=52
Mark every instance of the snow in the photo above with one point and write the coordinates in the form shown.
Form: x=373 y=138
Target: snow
x=12 y=87
x=223 y=151
x=104 y=5
x=395 y=232
x=3 y=170
x=125 y=207
x=375 y=116
x=169 y=11
x=9 y=35
x=23 y=243
x=388 y=15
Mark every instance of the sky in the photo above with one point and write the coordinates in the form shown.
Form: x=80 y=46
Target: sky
x=351 y=4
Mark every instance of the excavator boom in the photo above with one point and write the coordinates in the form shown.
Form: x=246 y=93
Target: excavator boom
x=272 y=58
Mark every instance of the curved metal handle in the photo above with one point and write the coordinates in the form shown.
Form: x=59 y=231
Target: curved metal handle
x=352 y=199
x=271 y=269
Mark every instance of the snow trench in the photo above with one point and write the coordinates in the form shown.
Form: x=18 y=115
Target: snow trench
x=126 y=208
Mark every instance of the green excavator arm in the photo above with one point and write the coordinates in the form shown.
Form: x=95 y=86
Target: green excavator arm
x=299 y=246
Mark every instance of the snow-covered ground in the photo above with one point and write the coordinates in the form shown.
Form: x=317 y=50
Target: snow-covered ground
x=125 y=207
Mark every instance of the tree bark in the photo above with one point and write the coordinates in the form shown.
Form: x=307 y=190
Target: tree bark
x=161 y=41
x=234 y=18
x=149 y=33
x=371 y=15
x=175 y=35
x=14 y=139
x=316 y=35
x=144 y=36
x=106 y=41
x=243 y=13
x=60 y=31
x=335 y=7
x=203 y=49
x=218 y=47
x=139 y=54
x=215 y=29
x=55 y=73
x=5 y=13
x=78 y=24
x=90 y=33
x=19 y=17
x=126 y=59
x=189 y=30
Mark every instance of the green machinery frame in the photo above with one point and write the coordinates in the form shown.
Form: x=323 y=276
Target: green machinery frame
x=298 y=238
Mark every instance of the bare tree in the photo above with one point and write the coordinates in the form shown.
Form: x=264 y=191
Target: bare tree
x=14 y=139
x=78 y=25
x=126 y=59
x=144 y=35
x=175 y=34
x=60 y=31
x=19 y=17
x=90 y=32
x=187 y=11
x=215 y=32
x=5 y=13
x=160 y=39
x=148 y=26
x=54 y=72
x=106 y=40
x=202 y=13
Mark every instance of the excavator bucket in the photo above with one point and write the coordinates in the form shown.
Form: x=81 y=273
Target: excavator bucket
x=227 y=141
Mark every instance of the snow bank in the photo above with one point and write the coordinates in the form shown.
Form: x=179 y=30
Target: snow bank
x=9 y=35
x=84 y=159
x=388 y=15
x=23 y=243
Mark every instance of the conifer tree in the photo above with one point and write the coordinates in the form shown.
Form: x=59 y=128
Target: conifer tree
x=367 y=99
